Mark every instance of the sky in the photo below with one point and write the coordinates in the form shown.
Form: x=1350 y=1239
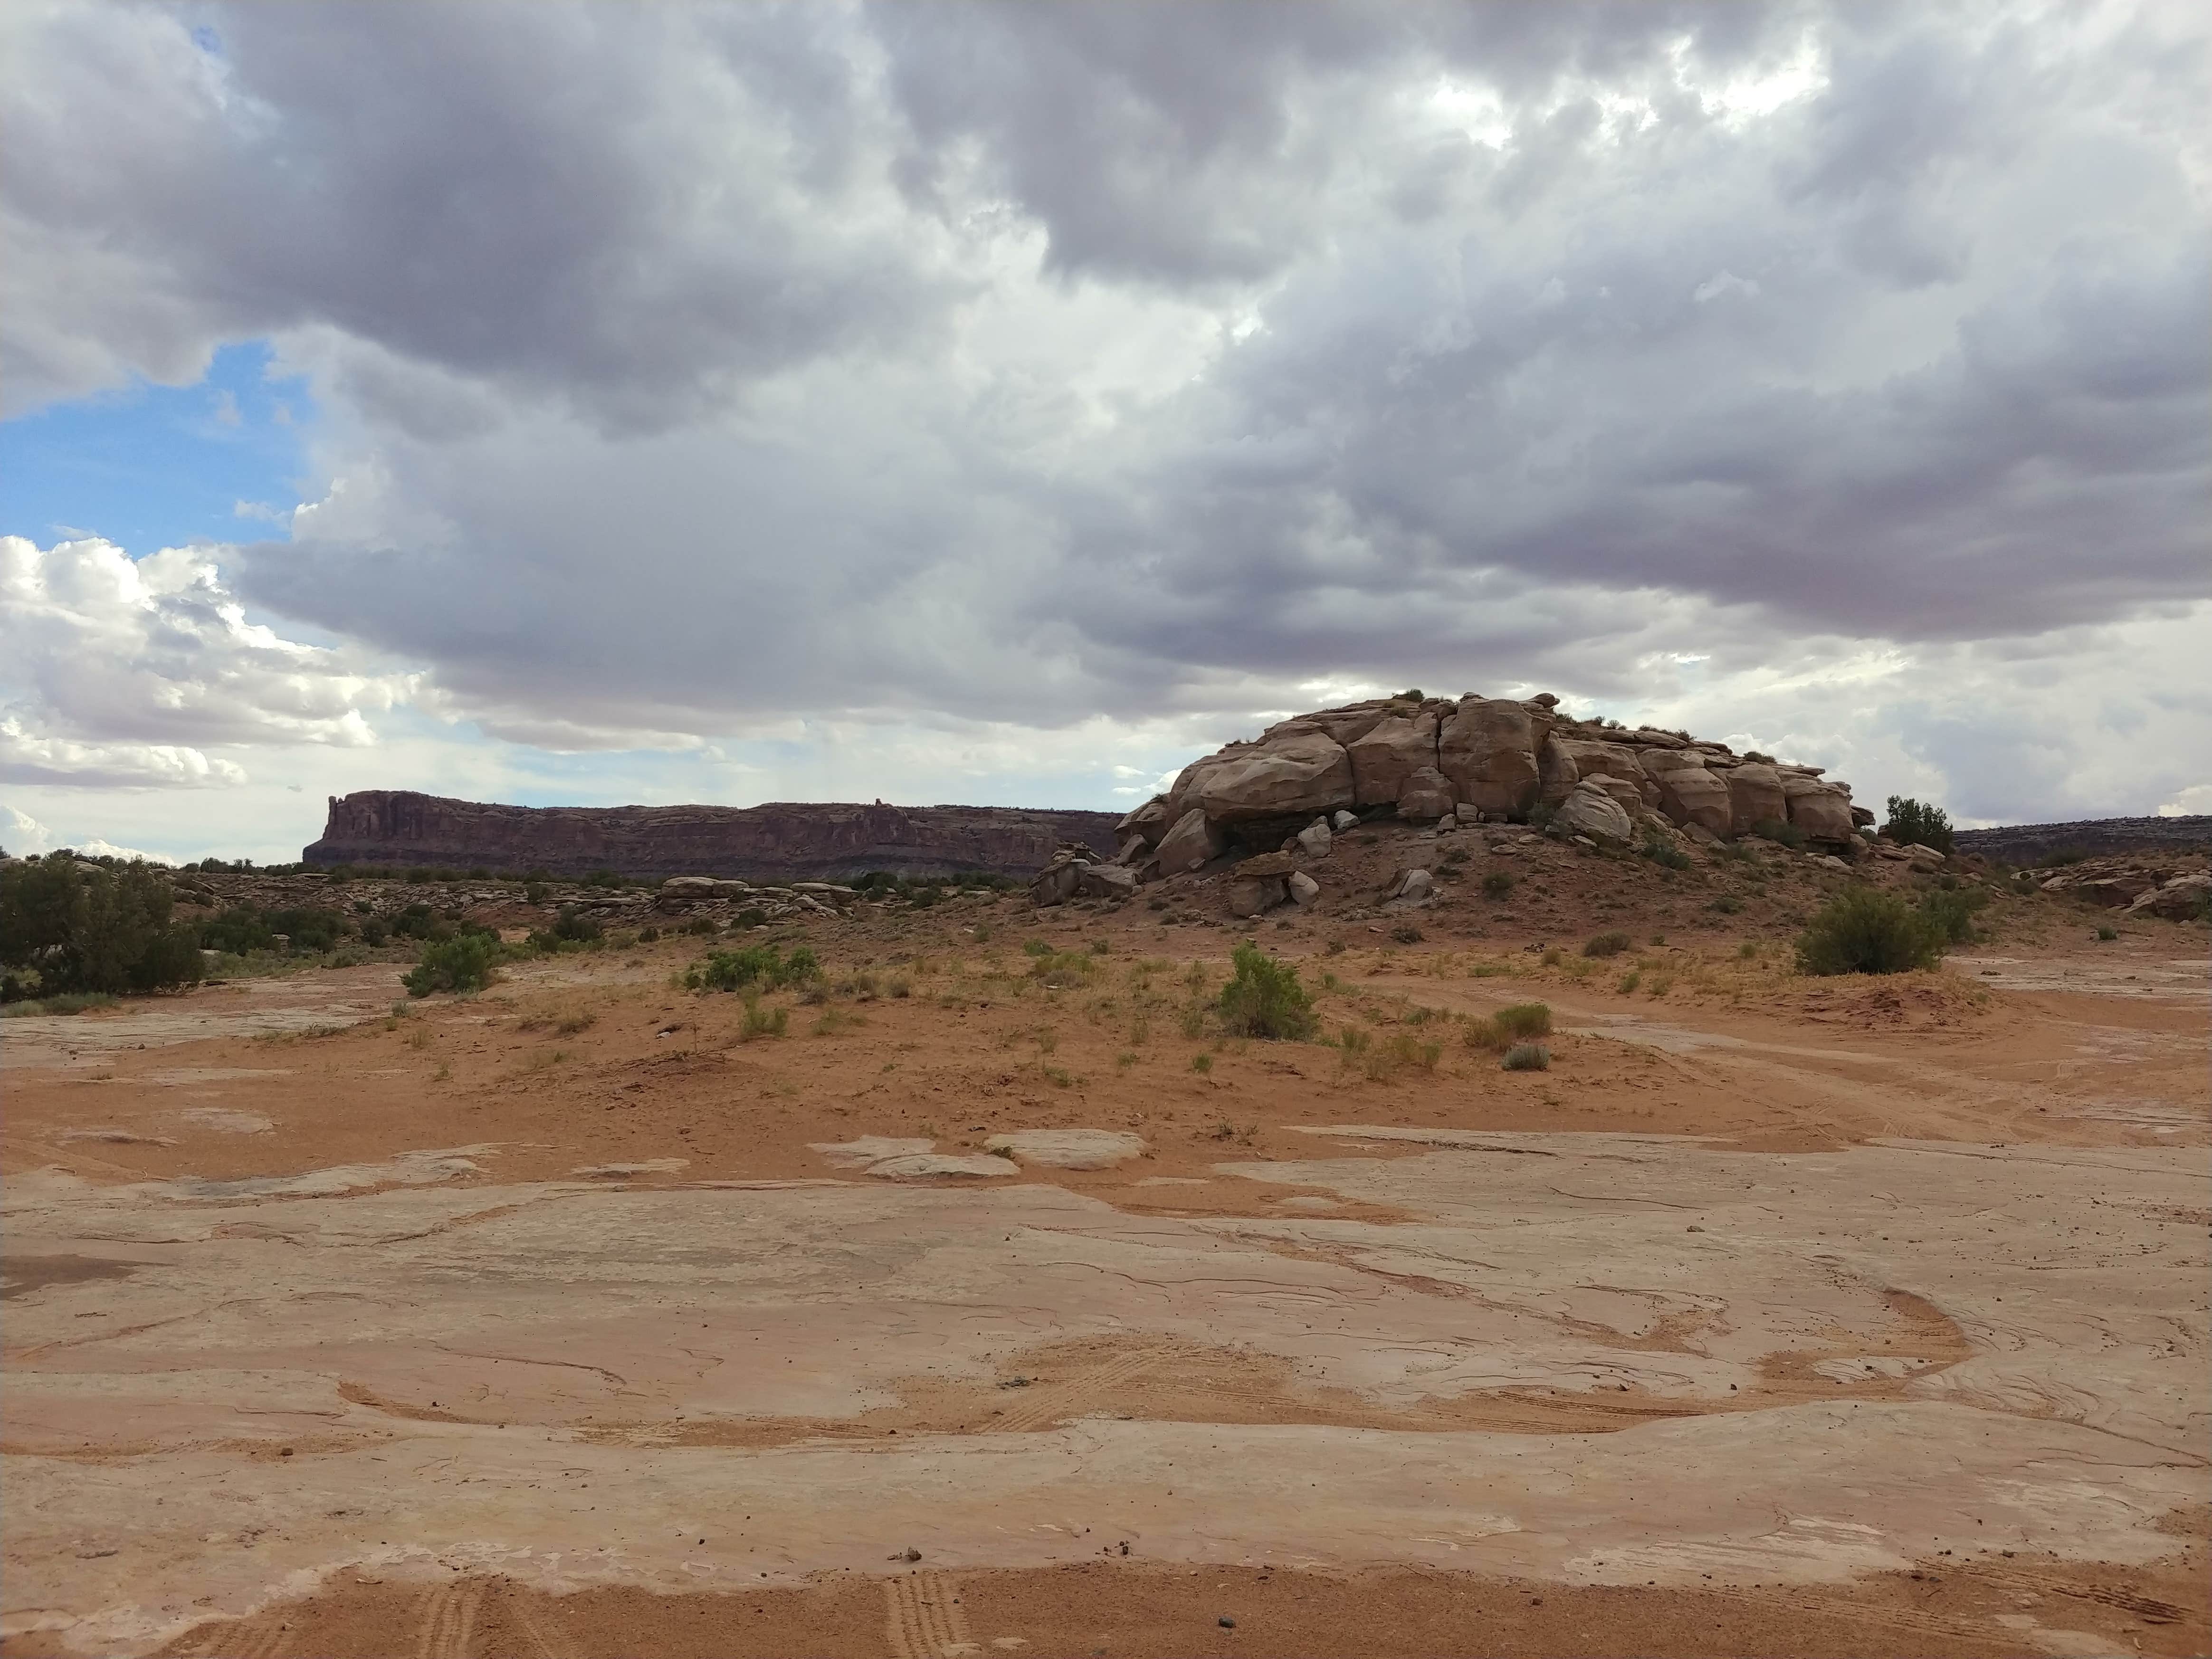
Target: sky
x=1003 y=404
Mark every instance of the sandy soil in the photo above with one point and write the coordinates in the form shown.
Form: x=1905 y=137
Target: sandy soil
x=1778 y=1316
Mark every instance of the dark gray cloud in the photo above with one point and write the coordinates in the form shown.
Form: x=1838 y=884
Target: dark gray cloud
x=683 y=366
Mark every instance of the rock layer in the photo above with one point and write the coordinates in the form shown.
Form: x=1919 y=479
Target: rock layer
x=792 y=841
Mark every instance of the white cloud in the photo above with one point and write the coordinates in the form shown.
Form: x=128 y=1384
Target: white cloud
x=130 y=671
x=2188 y=802
x=26 y=834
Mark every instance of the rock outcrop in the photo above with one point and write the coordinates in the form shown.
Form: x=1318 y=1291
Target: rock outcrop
x=786 y=840
x=1274 y=802
x=2043 y=843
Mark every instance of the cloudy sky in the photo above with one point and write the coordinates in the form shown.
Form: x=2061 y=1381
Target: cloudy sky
x=1005 y=403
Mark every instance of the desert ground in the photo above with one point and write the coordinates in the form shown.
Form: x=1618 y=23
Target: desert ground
x=1778 y=1316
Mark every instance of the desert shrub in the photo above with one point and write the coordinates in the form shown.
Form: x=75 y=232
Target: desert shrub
x=753 y=965
x=751 y=916
x=1783 y=835
x=1526 y=1057
x=1950 y=912
x=1404 y=1052
x=1912 y=823
x=1728 y=904
x=1406 y=934
x=235 y=932
x=1541 y=816
x=536 y=892
x=1664 y=852
x=1510 y=1025
x=1497 y=884
x=68 y=926
x=1263 y=998
x=575 y=927
x=1606 y=944
x=375 y=930
x=700 y=926
x=419 y=920
x=1868 y=931
x=2108 y=934
x=1629 y=980
x=648 y=935
x=1201 y=1063
x=464 y=963
x=762 y=1022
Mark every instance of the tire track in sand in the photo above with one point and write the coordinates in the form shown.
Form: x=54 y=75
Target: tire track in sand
x=449 y=1618
x=923 y=1618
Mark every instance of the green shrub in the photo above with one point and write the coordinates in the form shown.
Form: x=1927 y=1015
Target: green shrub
x=375 y=930
x=1201 y=1063
x=1526 y=1057
x=1912 y=825
x=1497 y=884
x=69 y=1002
x=1951 y=912
x=1728 y=904
x=1868 y=931
x=753 y=965
x=2108 y=934
x=575 y=927
x=1263 y=998
x=1664 y=852
x=751 y=916
x=536 y=892
x=1783 y=835
x=1510 y=1025
x=68 y=926
x=464 y=963
x=1606 y=944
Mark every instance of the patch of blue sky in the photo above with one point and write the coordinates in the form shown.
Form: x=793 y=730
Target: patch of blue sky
x=149 y=466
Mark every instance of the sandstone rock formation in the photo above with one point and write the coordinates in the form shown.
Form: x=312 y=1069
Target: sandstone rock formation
x=1275 y=801
x=785 y=841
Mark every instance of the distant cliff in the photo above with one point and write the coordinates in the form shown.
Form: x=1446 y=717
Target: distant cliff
x=785 y=840
x=2029 y=844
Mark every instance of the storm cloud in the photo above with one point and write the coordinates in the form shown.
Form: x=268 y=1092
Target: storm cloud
x=684 y=370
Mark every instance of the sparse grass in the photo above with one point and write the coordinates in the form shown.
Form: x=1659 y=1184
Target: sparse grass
x=67 y=1002
x=1629 y=981
x=761 y=1021
x=835 y=1020
x=1201 y=1063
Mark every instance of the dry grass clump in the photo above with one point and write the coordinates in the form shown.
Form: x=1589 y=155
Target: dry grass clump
x=1526 y=1057
x=1516 y=1024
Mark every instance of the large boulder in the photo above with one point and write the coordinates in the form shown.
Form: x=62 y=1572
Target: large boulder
x=1755 y=797
x=1392 y=751
x=1258 y=886
x=1820 y=810
x=1106 y=881
x=1619 y=761
x=1426 y=797
x=1590 y=809
x=1303 y=888
x=1313 y=841
x=1487 y=748
x=1692 y=795
x=1299 y=772
x=1629 y=792
x=1149 y=822
x=1055 y=883
x=1355 y=720
x=1556 y=772
x=1192 y=842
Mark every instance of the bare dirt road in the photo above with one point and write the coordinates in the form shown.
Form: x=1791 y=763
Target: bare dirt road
x=1778 y=1317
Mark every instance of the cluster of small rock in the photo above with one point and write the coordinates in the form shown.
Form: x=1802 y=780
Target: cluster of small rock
x=2127 y=885
x=818 y=898
x=1427 y=760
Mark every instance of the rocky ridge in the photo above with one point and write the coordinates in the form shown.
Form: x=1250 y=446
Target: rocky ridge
x=1277 y=799
x=781 y=841
x=2045 y=844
